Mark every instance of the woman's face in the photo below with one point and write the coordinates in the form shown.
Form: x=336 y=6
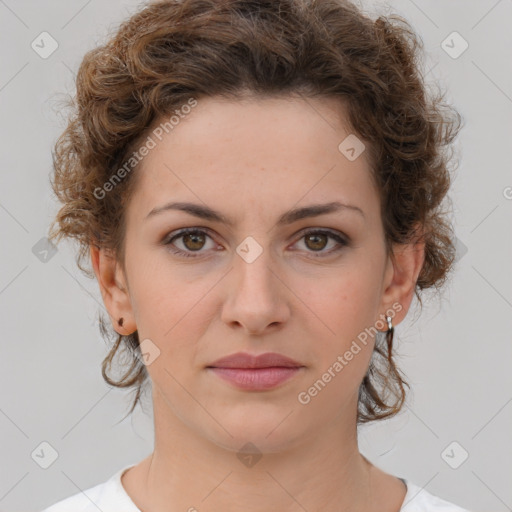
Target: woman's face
x=260 y=283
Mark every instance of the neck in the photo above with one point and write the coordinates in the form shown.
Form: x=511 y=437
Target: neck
x=324 y=472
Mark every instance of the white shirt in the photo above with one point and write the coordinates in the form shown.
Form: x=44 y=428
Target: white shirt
x=110 y=496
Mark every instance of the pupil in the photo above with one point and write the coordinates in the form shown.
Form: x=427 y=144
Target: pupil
x=194 y=237
x=313 y=237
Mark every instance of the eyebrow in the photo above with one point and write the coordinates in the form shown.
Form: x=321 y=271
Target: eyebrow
x=294 y=215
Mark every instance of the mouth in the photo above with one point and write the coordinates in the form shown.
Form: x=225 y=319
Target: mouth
x=255 y=372
x=256 y=379
x=243 y=360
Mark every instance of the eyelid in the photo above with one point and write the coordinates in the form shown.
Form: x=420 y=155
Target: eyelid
x=329 y=231
x=178 y=233
x=339 y=237
x=301 y=232
x=183 y=231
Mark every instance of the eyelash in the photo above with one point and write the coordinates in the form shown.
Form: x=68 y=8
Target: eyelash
x=190 y=254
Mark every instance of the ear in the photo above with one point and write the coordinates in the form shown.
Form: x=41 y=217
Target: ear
x=114 y=289
x=401 y=275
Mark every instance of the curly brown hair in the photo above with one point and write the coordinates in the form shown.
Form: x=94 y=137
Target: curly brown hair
x=172 y=50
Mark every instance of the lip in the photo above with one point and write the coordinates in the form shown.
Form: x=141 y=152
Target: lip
x=255 y=372
x=243 y=360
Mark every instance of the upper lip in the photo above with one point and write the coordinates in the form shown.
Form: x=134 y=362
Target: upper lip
x=245 y=360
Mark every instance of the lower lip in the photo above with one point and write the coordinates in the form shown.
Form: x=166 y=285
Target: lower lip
x=256 y=378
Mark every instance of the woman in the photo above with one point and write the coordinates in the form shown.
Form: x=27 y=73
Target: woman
x=259 y=189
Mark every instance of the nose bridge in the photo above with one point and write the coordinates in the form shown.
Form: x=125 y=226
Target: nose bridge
x=253 y=267
x=254 y=298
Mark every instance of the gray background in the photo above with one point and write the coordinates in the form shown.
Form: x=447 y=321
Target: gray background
x=456 y=355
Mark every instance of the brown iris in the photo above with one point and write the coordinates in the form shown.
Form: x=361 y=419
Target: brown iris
x=197 y=240
x=318 y=240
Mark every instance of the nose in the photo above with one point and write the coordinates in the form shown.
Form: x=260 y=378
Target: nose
x=256 y=296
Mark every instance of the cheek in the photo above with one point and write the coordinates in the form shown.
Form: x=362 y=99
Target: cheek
x=173 y=313
x=346 y=303
x=342 y=351
x=158 y=295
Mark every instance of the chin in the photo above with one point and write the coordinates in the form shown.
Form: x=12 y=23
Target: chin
x=258 y=429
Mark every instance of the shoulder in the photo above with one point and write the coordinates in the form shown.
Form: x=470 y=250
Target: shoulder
x=108 y=496
x=80 y=502
x=418 y=499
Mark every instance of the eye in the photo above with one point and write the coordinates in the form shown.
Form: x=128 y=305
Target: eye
x=192 y=240
x=318 y=239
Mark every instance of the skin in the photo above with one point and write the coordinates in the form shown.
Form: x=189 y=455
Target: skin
x=253 y=160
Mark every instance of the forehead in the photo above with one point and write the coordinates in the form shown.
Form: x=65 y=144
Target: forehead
x=252 y=152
